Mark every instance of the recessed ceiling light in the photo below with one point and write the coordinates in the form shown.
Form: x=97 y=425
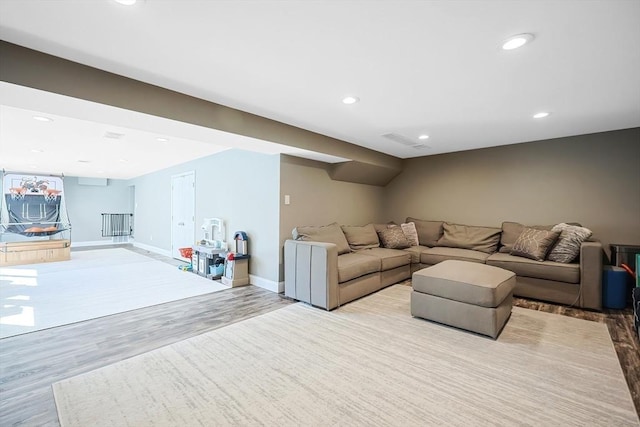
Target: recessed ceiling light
x=123 y=160
x=42 y=119
x=84 y=161
x=541 y=115
x=423 y=136
x=36 y=150
x=126 y=2
x=162 y=140
x=350 y=100
x=517 y=41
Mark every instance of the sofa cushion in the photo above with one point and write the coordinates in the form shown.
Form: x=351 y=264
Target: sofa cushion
x=364 y=237
x=380 y=226
x=428 y=231
x=483 y=239
x=568 y=245
x=511 y=231
x=393 y=238
x=435 y=255
x=354 y=265
x=410 y=231
x=389 y=258
x=549 y=270
x=534 y=244
x=331 y=233
x=475 y=284
x=415 y=252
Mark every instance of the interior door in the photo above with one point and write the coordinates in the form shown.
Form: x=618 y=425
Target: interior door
x=183 y=206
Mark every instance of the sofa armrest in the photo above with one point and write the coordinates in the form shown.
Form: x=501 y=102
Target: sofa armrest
x=311 y=272
x=591 y=254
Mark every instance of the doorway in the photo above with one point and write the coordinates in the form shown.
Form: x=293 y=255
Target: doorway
x=183 y=206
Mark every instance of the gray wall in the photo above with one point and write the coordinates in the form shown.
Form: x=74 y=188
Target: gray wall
x=318 y=200
x=591 y=179
x=240 y=187
x=86 y=203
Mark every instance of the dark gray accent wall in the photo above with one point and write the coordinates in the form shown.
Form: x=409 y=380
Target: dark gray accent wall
x=591 y=179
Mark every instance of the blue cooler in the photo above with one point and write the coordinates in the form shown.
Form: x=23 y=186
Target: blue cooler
x=614 y=287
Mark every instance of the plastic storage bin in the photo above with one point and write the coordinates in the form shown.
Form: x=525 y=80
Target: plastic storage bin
x=614 y=287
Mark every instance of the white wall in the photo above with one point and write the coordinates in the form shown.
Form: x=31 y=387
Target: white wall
x=86 y=203
x=238 y=186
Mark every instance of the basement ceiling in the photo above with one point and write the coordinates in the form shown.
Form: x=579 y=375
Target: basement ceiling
x=418 y=67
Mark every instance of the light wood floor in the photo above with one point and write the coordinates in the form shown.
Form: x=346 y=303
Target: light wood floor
x=30 y=363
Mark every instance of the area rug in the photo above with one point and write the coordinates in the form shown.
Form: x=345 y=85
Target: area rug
x=92 y=284
x=367 y=363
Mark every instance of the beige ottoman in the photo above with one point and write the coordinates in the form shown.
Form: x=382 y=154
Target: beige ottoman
x=467 y=295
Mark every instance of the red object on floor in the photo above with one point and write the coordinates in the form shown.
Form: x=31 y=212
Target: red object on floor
x=186 y=252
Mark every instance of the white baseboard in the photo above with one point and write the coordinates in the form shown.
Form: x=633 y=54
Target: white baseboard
x=269 y=285
x=97 y=243
x=153 y=249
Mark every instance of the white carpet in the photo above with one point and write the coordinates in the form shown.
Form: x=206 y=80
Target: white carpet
x=92 y=284
x=368 y=363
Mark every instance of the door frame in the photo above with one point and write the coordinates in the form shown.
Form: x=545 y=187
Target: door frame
x=180 y=175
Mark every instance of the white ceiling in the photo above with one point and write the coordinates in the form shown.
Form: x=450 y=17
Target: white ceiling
x=432 y=67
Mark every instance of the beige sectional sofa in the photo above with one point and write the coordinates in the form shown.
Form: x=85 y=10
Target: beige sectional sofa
x=331 y=265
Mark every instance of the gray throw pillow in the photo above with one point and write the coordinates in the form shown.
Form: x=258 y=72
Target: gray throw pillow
x=567 y=248
x=393 y=238
x=534 y=244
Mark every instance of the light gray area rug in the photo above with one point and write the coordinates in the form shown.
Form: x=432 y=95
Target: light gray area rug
x=367 y=363
x=92 y=284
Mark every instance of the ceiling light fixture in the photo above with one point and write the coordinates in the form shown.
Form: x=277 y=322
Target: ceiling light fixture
x=123 y=160
x=423 y=136
x=84 y=161
x=350 y=100
x=162 y=140
x=517 y=41
x=541 y=115
x=126 y=2
x=42 y=119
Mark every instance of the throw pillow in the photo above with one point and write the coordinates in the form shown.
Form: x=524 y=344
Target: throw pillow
x=393 y=238
x=568 y=245
x=364 y=237
x=380 y=227
x=534 y=244
x=511 y=231
x=409 y=230
x=331 y=233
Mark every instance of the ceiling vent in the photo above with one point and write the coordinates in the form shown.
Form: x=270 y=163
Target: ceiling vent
x=113 y=135
x=408 y=142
